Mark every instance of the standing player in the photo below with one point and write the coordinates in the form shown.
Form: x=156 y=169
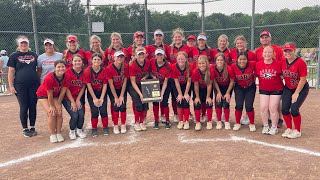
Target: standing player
x=73 y=48
x=294 y=71
x=116 y=45
x=158 y=44
x=138 y=39
x=223 y=44
x=191 y=41
x=95 y=47
x=201 y=49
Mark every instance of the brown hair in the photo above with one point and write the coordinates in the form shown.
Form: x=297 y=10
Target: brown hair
x=224 y=69
x=207 y=71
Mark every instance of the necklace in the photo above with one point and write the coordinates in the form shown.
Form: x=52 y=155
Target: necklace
x=267 y=65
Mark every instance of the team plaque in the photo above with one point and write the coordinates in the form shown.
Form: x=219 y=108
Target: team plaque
x=151 y=90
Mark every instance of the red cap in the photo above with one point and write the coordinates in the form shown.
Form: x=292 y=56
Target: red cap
x=265 y=32
x=72 y=38
x=138 y=33
x=191 y=37
x=290 y=47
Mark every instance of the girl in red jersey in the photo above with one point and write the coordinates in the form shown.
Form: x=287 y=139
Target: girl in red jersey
x=139 y=70
x=116 y=45
x=201 y=49
x=191 y=41
x=117 y=75
x=245 y=89
x=74 y=103
x=73 y=48
x=294 y=71
x=95 y=47
x=138 y=39
x=223 y=43
x=181 y=73
x=269 y=74
x=158 y=44
x=202 y=94
x=160 y=69
x=50 y=95
x=223 y=83
x=95 y=78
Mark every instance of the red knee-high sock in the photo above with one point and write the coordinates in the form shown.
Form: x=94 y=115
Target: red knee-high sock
x=142 y=116
x=180 y=114
x=219 y=114
x=156 y=113
x=288 y=120
x=161 y=109
x=226 y=114
x=297 y=122
x=203 y=108
x=251 y=116
x=174 y=107
x=166 y=113
x=115 y=117
x=94 y=122
x=186 y=114
x=197 y=114
x=209 y=113
x=123 y=118
x=238 y=115
x=104 y=122
x=136 y=116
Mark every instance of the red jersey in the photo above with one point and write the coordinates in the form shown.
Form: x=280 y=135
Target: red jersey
x=97 y=79
x=89 y=58
x=160 y=72
x=234 y=55
x=181 y=75
x=115 y=74
x=277 y=49
x=109 y=55
x=219 y=76
x=198 y=76
x=129 y=53
x=51 y=82
x=139 y=71
x=196 y=52
x=76 y=82
x=269 y=75
x=244 y=77
x=152 y=48
x=68 y=57
x=292 y=72
x=226 y=53
x=172 y=54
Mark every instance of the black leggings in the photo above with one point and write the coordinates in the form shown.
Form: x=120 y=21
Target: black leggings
x=223 y=103
x=165 y=99
x=184 y=103
x=123 y=107
x=203 y=98
x=246 y=95
x=136 y=99
x=293 y=108
x=96 y=110
x=27 y=98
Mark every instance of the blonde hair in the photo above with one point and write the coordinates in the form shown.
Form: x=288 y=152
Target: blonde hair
x=224 y=69
x=68 y=47
x=176 y=31
x=95 y=37
x=182 y=53
x=133 y=58
x=21 y=36
x=207 y=71
x=242 y=38
x=223 y=36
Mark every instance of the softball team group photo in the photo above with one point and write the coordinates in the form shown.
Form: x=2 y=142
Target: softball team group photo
x=197 y=79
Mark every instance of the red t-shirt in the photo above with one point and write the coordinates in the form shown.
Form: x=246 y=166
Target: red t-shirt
x=269 y=75
x=89 y=58
x=76 y=82
x=172 y=55
x=97 y=79
x=139 y=71
x=161 y=72
x=152 y=48
x=234 y=55
x=181 y=75
x=51 y=82
x=129 y=53
x=109 y=55
x=226 y=53
x=196 y=52
x=277 y=49
x=115 y=74
x=244 y=77
x=219 y=76
x=292 y=72
x=68 y=57
x=198 y=76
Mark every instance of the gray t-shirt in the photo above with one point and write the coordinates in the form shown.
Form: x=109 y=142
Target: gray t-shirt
x=5 y=60
x=46 y=63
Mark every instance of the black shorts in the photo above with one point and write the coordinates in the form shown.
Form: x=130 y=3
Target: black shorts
x=271 y=92
x=42 y=97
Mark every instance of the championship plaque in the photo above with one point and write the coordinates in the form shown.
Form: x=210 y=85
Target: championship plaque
x=151 y=90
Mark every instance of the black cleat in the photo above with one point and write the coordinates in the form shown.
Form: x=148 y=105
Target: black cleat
x=156 y=125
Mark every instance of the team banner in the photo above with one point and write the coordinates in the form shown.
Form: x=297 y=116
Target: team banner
x=151 y=90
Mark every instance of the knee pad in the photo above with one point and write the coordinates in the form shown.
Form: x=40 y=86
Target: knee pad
x=197 y=106
x=155 y=104
x=239 y=108
x=249 y=109
x=219 y=104
x=185 y=104
x=208 y=106
x=123 y=108
x=295 y=113
x=225 y=104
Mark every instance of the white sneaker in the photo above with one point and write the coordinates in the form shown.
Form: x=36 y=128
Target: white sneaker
x=81 y=134
x=116 y=130
x=287 y=133
x=180 y=125
x=227 y=126
x=60 y=138
x=198 y=126
x=137 y=127
x=265 y=129
x=209 y=125
x=143 y=127
x=72 y=134
x=162 y=119
x=123 y=129
x=204 y=119
x=295 y=134
x=175 y=118
x=252 y=128
x=244 y=120
x=219 y=125
x=236 y=127
x=53 y=138
x=186 y=125
x=273 y=130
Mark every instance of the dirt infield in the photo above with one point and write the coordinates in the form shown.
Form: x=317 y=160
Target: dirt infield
x=160 y=154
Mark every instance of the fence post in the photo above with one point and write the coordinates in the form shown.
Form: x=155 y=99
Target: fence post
x=202 y=16
x=146 y=25
x=89 y=18
x=318 y=71
x=34 y=24
x=253 y=24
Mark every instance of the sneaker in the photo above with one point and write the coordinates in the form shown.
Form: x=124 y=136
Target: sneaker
x=26 y=133
x=265 y=129
x=287 y=133
x=33 y=131
x=219 y=125
x=252 y=128
x=143 y=127
x=280 y=122
x=145 y=121
x=106 y=131
x=156 y=125
x=186 y=125
x=123 y=129
x=116 y=130
x=244 y=120
x=227 y=126
x=209 y=125
x=180 y=125
x=204 y=119
x=168 y=125
x=94 y=132
x=81 y=134
x=53 y=138
x=295 y=134
x=137 y=127
x=175 y=118
x=162 y=119
x=72 y=134
x=236 y=127
x=60 y=137
x=198 y=126
x=273 y=130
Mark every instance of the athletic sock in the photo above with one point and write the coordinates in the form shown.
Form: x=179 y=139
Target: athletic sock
x=251 y=116
x=288 y=120
x=219 y=113
x=238 y=115
x=297 y=122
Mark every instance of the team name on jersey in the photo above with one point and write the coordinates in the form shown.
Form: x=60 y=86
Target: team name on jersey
x=244 y=76
x=117 y=78
x=292 y=75
x=220 y=79
x=76 y=83
x=96 y=81
x=158 y=75
x=268 y=73
x=141 y=75
x=57 y=89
